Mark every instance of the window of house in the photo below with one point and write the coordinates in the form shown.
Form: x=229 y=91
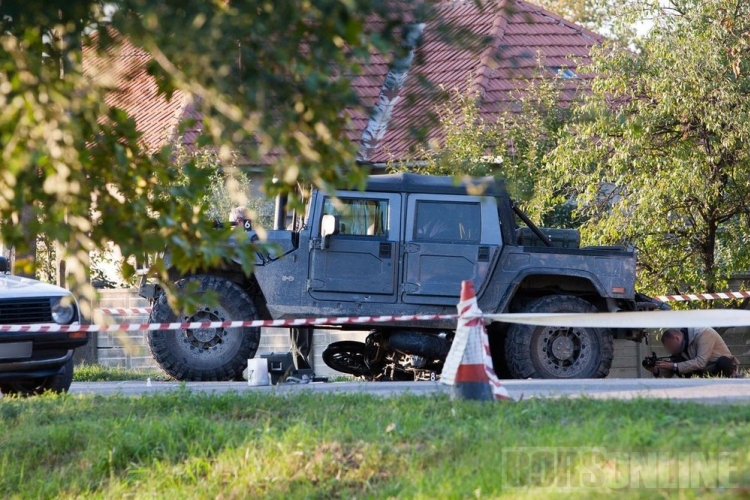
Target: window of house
x=564 y=73
x=445 y=221
x=359 y=217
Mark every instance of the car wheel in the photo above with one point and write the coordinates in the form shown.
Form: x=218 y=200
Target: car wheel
x=31 y=387
x=206 y=354
x=558 y=352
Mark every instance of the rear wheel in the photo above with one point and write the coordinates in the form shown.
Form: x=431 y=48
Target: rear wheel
x=348 y=356
x=54 y=383
x=206 y=354
x=558 y=352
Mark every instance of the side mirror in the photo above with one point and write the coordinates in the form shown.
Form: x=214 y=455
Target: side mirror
x=328 y=227
x=4 y=265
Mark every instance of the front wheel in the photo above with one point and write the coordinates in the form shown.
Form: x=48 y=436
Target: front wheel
x=558 y=352
x=206 y=354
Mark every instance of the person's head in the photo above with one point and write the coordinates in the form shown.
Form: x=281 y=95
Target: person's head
x=672 y=340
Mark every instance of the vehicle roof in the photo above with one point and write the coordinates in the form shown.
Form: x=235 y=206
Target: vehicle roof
x=431 y=184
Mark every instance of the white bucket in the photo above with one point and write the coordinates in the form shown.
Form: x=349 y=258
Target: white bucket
x=257 y=372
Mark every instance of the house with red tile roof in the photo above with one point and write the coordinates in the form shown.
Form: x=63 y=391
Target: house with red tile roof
x=135 y=91
x=517 y=34
x=520 y=35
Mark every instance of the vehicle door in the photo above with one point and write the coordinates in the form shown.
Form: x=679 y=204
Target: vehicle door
x=360 y=263
x=445 y=243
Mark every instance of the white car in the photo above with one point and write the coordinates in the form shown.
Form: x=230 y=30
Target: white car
x=35 y=362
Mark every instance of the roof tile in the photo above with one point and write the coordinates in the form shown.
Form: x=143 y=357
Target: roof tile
x=517 y=36
x=135 y=92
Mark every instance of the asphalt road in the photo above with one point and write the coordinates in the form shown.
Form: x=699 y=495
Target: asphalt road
x=713 y=391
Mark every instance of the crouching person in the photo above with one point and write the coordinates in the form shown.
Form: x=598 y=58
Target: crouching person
x=695 y=352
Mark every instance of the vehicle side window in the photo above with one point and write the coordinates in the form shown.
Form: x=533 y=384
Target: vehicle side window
x=359 y=217
x=446 y=221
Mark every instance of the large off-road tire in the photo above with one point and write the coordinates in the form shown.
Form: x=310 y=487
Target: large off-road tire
x=497 y=333
x=206 y=354
x=554 y=352
x=54 y=383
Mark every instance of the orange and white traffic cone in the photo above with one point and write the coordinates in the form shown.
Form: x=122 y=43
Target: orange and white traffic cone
x=468 y=366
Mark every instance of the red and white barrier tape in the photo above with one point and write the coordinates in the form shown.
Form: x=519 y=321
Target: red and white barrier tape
x=686 y=297
x=124 y=312
x=627 y=319
x=691 y=297
x=134 y=327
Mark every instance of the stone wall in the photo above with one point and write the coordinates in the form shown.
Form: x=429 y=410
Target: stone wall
x=122 y=349
x=627 y=360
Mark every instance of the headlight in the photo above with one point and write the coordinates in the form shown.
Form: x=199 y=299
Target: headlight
x=63 y=310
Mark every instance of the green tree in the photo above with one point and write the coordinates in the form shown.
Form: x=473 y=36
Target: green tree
x=270 y=80
x=658 y=155
x=229 y=186
x=601 y=16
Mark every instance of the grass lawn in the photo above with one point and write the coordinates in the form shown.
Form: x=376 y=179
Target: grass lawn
x=99 y=373
x=191 y=445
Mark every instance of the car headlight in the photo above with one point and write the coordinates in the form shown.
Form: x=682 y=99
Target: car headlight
x=63 y=310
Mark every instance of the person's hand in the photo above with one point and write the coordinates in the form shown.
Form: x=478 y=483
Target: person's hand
x=664 y=365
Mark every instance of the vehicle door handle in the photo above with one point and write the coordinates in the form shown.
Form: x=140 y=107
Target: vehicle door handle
x=483 y=255
x=385 y=250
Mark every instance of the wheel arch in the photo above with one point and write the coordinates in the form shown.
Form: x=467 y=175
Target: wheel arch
x=535 y=284
x=233 y=272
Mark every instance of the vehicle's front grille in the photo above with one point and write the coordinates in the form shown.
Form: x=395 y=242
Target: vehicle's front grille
x=25 y=311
